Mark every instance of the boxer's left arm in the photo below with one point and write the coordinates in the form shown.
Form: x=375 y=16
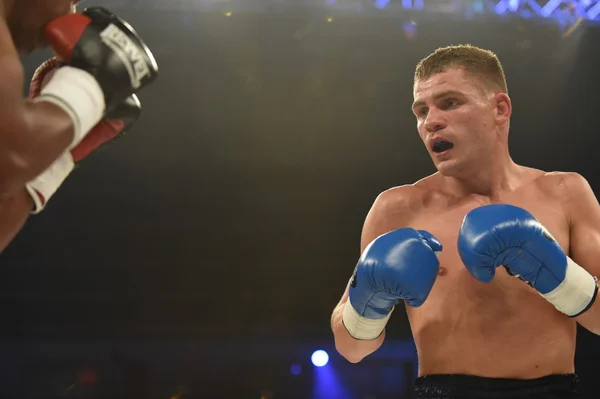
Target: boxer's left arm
x=583 y=213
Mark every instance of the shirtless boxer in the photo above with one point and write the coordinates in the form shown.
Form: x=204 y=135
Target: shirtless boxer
x=481 y=331
x=76 y=105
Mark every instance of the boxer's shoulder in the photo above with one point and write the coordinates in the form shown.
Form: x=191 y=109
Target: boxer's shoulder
x=562 y=185
x=413 y=198
x=402 y=198
x=393 y=208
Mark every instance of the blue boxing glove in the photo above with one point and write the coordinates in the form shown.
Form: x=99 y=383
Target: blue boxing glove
x=399 y=265
x=505 y=235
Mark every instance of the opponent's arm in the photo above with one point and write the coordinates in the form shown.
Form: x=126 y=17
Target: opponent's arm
x=583 y=212
x=97 y=81
x=32 y=135
x=105 y=63
x=15 y=209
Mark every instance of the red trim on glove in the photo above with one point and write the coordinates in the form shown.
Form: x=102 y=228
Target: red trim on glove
x=64 y=33
x=103 y=132
x=39 y=75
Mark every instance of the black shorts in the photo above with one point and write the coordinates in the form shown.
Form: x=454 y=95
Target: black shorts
x=465 y=386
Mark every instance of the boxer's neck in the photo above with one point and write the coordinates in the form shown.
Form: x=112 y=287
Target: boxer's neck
x=499 y=174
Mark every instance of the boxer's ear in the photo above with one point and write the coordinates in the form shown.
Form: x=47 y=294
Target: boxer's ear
x=503 y=108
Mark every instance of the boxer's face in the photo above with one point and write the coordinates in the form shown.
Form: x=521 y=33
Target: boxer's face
x=28 y=18
x=457 y=119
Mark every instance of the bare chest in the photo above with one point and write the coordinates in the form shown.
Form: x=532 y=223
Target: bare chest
x=455 y=288
x=464 y=313
x=444 y=223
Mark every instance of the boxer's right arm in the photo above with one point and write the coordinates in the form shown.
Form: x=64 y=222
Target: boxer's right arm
x=355 y=350
x=391 y=210
x=32 y=135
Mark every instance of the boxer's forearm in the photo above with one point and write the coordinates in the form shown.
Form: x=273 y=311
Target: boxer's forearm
x=351 y=349
x=14 y=211
x=40 y=135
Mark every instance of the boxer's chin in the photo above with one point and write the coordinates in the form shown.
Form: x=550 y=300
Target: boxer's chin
x=448 y=167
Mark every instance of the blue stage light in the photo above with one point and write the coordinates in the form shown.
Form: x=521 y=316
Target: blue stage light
x=319 y=358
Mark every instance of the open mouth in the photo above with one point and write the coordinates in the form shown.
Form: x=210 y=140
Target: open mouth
x=441 y=146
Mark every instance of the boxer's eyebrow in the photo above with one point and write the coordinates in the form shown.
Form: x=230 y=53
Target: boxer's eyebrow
x=437 y=96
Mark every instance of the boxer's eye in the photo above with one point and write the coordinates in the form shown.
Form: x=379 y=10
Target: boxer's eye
x=441 y=146
x=450 y=103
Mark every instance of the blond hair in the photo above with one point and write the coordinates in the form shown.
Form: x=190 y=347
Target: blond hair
x=477 y=61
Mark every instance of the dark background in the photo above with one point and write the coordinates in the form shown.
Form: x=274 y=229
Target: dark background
x=201 y=255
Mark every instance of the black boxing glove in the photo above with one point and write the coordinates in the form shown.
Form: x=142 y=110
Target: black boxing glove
x=106 y=62
x=106 y=46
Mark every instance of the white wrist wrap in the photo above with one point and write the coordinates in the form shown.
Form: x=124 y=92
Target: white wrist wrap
x=78 y=93
x=577 y=291
x=360 y=327
x=48 y=182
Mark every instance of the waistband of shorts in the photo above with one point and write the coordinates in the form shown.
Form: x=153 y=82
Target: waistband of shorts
x=457 y=384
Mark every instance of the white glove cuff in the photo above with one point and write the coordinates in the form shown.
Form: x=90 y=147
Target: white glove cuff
x=359 y=327
x=78 y=93
x=576 y=293
x=49 y=181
